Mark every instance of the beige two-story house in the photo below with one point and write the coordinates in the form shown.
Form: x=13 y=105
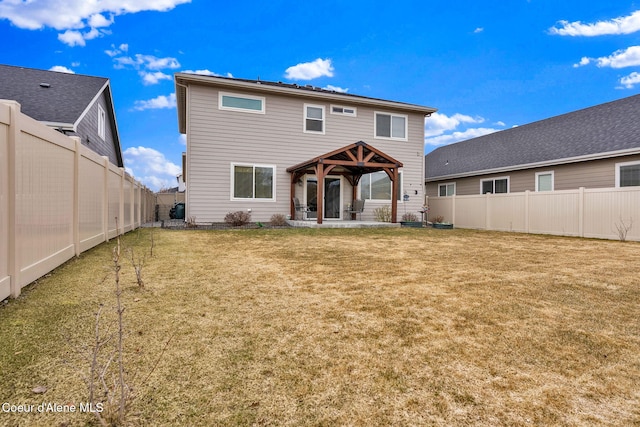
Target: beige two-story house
x=258 y=146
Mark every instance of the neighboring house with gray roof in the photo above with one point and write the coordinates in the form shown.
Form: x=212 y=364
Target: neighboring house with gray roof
x=74 y=104
x=597 y=147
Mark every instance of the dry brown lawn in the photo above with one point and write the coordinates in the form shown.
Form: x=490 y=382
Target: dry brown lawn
x=343 y=327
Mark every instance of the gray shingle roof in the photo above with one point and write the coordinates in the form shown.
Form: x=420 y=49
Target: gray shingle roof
x=63 y=101
x=604 y=128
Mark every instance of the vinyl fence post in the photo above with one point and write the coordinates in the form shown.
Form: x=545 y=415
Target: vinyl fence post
x=526 y=211
x=12 y=220
x=581 y=212
x=121 y=209
x=105 y=198
x=76 y=194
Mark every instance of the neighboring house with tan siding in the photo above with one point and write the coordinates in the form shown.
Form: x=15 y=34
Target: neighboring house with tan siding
x=73 y=104
x=256 y=145
x=597 y=147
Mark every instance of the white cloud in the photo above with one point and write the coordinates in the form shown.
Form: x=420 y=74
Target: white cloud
x=628 y=57
x=438 y=123
x=458 y=136
x=441 y=129
x=72 y=38
x=159 y=102
x=149 y=62
x=61 y=69
x=621 y=25
x=207 y=73
x=336 y=89
x=183 y=139
x=151 y=167
x=73 y=16
x=115 y=51
x=153 y=78
x=310 y=70
x=583 y=61
x=631 y=80
x=478 y=30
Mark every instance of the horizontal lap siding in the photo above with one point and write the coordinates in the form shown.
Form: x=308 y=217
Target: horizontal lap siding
x=591 y=174
x=217 y=138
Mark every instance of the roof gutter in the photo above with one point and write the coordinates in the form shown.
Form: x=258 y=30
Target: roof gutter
x=182 y=78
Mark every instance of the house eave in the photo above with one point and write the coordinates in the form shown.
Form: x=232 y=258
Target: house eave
x=182 y=81
x=549 y=163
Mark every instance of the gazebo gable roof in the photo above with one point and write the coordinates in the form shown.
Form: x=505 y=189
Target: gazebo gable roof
x=357 y=158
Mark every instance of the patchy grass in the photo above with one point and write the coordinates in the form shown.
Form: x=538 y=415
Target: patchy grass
x=343 y=327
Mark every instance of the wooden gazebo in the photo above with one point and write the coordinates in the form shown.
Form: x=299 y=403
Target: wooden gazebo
x=352 y=162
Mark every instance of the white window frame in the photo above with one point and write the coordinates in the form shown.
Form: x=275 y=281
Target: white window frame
x=400 y=190
x=497 y=178
x=353 y=112
x=446 y=185
x=324 y=121
x=256 y=199
x=262 y=100
x=102 y=122
x=391 y=115
x=553 y=183
x=619 y=165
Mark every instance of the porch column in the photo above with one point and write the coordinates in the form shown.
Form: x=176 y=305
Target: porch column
x=320 y=192
x=394 y=195
x=292 y=207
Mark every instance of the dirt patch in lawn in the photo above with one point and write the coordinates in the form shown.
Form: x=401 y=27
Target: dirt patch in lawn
x=343 y=327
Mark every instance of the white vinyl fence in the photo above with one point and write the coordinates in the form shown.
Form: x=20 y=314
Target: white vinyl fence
x=583 y=212
x=57 y=199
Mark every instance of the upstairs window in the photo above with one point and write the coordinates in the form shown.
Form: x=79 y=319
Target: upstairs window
x=343 y=111
x=495 y=186
x=245 y=103
x=102 y=122
x=627 y=174
x=391 y=126
x=314 y=118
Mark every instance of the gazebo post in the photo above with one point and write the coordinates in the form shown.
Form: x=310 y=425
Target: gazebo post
x=394 y=196
x=292 y=207
x=320 y=192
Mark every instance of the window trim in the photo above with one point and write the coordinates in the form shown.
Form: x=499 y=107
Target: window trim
x=391 y=115
x=497 y=178
x=622 y=164
x=446 y=184
x=400 y=189
x=553 y=182
x=102 y=122
x=305 y=118
x=253 y=199
x=343 y=113
x=222 y=94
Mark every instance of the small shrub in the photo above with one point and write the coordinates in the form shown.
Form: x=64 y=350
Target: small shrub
x=438 y=219
x=278 y=220
x=237 y=218
x=191 y=222
x=409 y=217
x=382 y=214
x=622 y=228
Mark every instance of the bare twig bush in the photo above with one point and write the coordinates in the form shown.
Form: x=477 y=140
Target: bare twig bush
x=382 y=214
x=278 y=220
x=622 y=228
x=237 y=218
x=409 y=217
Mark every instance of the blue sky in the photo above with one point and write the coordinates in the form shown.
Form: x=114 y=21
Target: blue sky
x=486 y=66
